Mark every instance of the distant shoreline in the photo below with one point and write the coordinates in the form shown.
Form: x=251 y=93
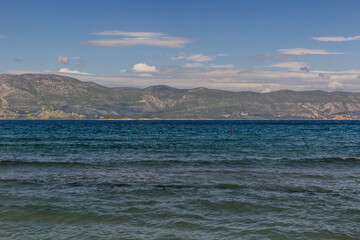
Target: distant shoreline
x=319 y=120
x=49 y=96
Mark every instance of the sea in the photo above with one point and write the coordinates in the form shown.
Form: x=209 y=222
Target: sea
x=179 y=179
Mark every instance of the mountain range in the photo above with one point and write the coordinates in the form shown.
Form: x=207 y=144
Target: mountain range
x=50 y=96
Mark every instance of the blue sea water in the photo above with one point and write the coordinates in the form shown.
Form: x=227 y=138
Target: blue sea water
x=180 y=180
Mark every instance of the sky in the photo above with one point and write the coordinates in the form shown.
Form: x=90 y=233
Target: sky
x=238 y=45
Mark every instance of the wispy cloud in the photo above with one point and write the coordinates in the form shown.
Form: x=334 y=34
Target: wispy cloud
x=191 y=65
x=2 y=36
x=267 y=56
x=294 y=66
x=130 y=34
x=223 y=66
x=63 y=59
x=292 y=53
x=18 y=60
x=138 y=39
x=337 y=39
x=196 y=57
x=80 y=63
x=168 y=42
x=66 y=70
x=305 y=51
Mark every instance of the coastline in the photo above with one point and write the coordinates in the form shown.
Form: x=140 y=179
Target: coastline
x=172 y=119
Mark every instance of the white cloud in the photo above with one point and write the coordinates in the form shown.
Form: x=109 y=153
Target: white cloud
x=336 y=39
x=142 y=68
x=66 y=70
x=138 y=39
x=75 y=58
x=305 y=51
x=197 y=57
x=294 y=66
x=63 y=59
x=2 y=36
x=130 y=34
x=266 y=90
x=335 y=85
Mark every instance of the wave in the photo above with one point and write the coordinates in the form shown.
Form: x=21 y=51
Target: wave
x=260 y=189
x=240 y=162
x=318 y=161
x=39 y=163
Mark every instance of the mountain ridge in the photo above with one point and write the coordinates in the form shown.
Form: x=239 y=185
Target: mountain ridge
x=51 y=96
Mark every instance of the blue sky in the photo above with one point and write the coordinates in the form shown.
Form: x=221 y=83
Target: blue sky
x=236 y=45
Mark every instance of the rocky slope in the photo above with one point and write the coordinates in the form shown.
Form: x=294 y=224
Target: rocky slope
x=49 y=96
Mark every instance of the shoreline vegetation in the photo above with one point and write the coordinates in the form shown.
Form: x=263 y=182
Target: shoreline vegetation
x=125 y=118
x=173 y=119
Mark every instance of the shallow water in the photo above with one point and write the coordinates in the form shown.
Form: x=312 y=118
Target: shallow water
x=179 y=180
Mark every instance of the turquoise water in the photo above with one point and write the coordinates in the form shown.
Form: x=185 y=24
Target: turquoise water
x=179 y=180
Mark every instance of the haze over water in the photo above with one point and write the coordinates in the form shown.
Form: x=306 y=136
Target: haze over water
x=179 y=179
